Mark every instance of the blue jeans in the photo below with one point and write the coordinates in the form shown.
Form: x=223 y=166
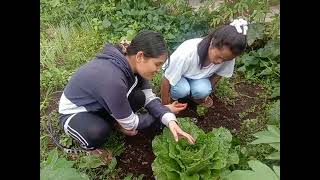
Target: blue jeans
x=197 y=88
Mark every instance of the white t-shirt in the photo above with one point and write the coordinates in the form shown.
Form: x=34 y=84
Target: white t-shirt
x=184 y=62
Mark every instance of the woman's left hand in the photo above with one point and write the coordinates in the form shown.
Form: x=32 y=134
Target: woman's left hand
x=179 y=133
x=176 y=107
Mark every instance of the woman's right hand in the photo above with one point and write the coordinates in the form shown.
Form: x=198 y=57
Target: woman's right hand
x=178 y=133
x=125 y=131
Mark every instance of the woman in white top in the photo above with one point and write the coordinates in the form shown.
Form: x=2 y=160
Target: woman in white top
x=197 y=64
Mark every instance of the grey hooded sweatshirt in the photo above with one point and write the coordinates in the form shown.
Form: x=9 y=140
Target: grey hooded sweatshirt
x=106 y=82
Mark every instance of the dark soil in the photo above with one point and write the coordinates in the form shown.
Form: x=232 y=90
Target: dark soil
x=138 y=156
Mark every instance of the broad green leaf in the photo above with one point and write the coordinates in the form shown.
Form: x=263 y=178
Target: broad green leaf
x=275 y=92
x=262 y=169
x=219 y=164
x=275 y=145
x=65 y=140
x=249 y=60
x=158 y=28
x=274 y=46
x=205 y=174
x=277 y=170
x=63 y=163
x=90 y=161
x=190 y=128
x=259 y=171
x=155 y=18
x=274 y=156
x=52 y=156
x=170 y=36
x=140 y=177
x=242 y=69
x=184 y=176
x=273 y=113
x=266 y=71
x=265 y=52
x=255 y=31
x=272 y=135
x=197 y=167
x=241 y=175
x=112 y=165
x=274 y=130
x=128 y=177
x=131 y=34
x=106 y=23
x=57 y=168
x=265 y=139
x=233 y=158
x=61 y=174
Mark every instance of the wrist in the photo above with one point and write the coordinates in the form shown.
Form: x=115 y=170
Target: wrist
x=172 y=123
x=167 y=118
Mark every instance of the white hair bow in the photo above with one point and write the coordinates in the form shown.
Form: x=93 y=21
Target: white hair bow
x=238 y=23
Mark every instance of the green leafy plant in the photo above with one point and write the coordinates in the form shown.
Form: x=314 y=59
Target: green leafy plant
x=247 y=152
x=273 y=28
x=65 y=140
x=131 y=177
x=255 y=32
x=111 y=166
x=226 y=91
x=59 y=168
x=115 y=143
x=253 y=11
x=271 y=136
x=90 y=161
x=209 y=158
x=96 y=171
x=275 y=92
x=249 y=127
x=263 y=63
x=259 y=171
x=273 y=113
x=156 y=83
x=201 y=110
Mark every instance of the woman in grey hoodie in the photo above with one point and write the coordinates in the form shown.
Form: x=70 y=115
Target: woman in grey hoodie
x=111 y=88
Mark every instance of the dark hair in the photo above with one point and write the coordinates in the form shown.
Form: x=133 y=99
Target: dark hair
x=151 y=43
x=223 y=36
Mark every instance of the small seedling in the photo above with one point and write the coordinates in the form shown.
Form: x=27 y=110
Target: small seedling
x=201 y=110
